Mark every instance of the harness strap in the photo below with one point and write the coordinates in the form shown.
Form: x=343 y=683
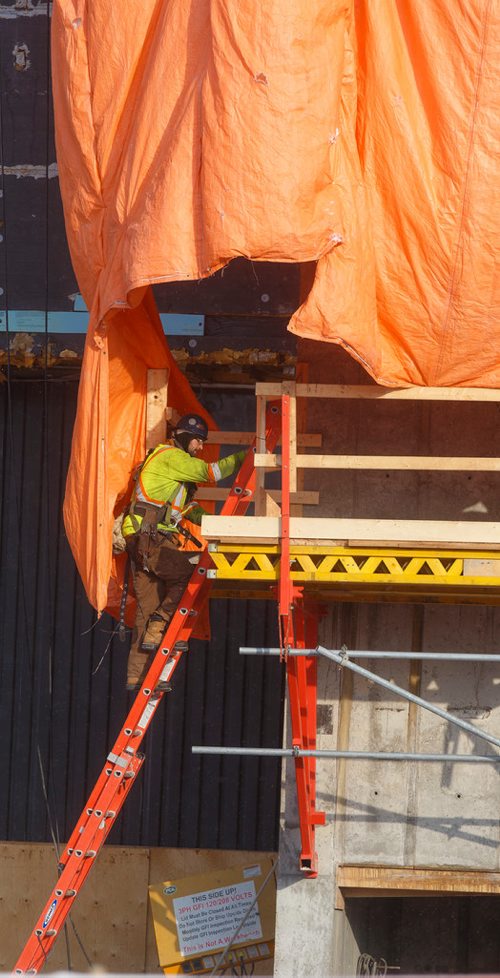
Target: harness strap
x=123 y=602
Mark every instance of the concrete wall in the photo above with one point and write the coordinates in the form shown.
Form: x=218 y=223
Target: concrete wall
x=412 y=814
x=392 y=813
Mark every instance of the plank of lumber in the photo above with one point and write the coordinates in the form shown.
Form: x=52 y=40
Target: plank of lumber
x=356 y=532
x=156 y=407
x=306 y=497
x=403 y=463
x=289 y=388
x=260 y=444
x=474 y=567
x=301 y=408
x=271 y=507
x=365 y=878
x=374 y=392
x=304 y=440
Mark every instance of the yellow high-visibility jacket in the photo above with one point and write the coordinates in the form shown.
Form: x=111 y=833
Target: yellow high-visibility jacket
x=167 y=477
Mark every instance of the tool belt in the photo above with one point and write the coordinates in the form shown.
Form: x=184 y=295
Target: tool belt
x=151 y=515
x=147 y=532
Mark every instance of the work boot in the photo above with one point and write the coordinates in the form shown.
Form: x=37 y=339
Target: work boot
x=139 y=662
x=155 y=630
x=137 y=668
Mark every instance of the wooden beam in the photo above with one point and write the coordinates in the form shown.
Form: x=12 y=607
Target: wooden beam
x=301 y=377
x=307 y=497
x=357 y=532
x=156 y=407
x=260 y=445
x=265 y=461
x=271 y=506
x=403 y=463
x=304 y=440
x=374 y=392
x=289 y=388
x=365 y=881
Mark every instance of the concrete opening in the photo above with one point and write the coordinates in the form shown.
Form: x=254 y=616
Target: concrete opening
x=412 y=935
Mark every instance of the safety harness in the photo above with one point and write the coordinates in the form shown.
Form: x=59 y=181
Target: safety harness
x=155 y=511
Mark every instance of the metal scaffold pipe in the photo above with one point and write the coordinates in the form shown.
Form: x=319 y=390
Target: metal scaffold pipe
x=342 y=659
x=350 y=755
x=366 y=654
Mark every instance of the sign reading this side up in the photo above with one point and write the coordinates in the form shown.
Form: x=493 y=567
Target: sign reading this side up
x=206 y=921
x=195 y=917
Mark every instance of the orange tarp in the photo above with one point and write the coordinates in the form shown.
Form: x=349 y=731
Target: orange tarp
x=109 y=439
x=189 y=132
x=412 y=290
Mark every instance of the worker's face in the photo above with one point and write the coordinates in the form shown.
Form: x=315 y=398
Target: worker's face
x=195 y=446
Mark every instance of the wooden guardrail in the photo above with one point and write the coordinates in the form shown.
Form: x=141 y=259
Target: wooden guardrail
x=265 y=526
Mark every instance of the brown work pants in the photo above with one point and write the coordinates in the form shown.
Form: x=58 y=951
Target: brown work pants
x=158 y=589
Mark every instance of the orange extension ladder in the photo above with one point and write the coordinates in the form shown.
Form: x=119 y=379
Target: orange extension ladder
x=124 y=761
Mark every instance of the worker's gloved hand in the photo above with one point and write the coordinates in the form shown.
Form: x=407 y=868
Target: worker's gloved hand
x=240 y=458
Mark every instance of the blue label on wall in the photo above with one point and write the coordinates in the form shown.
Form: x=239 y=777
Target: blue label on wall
x=37 y=321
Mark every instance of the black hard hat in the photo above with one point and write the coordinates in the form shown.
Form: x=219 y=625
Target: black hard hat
x=194 y=425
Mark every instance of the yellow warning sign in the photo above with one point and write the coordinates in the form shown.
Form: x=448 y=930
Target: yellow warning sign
x=197 y=917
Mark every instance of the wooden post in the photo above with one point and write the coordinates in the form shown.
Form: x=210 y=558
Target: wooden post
x=260 y=446
x=289 y=388
x=156 y=407
x=301 y=377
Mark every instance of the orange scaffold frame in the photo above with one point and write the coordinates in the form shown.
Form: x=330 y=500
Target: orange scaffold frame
x=299 y=629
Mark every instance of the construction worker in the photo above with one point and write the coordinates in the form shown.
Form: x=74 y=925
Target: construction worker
x=162 y=499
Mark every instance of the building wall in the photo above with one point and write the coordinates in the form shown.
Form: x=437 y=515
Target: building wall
x=394 y=814
x=62 y=672
x=419 y=814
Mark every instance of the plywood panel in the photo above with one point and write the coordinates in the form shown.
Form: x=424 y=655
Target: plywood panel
x=110 y=914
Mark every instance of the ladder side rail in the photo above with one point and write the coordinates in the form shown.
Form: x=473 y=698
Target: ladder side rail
x=142 y=710
x=106 y=799
x=124 y=761
x=79 y=863
x=147 y=701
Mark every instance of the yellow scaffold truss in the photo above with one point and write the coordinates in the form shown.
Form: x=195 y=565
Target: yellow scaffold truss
x=395 y=574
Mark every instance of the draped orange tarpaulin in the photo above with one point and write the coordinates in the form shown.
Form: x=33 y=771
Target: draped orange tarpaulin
x=412 y=291
x=109 y=440
x=363 y=134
